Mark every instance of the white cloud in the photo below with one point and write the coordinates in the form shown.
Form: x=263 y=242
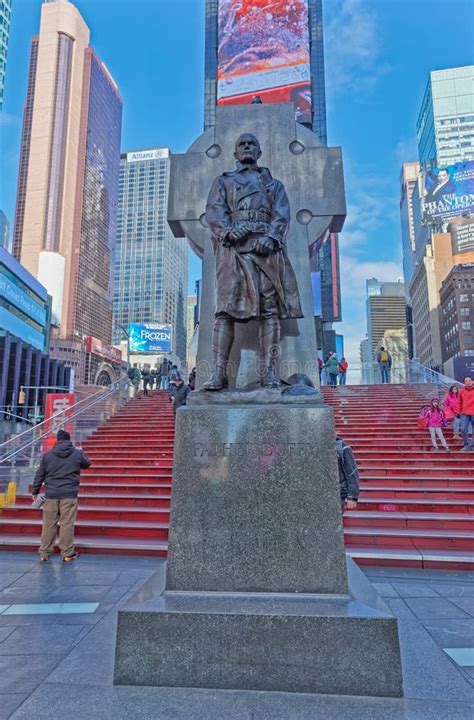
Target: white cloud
x=406 y=150
x=352 y=47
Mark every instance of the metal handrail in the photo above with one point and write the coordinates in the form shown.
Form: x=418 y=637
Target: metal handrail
x=94 y=399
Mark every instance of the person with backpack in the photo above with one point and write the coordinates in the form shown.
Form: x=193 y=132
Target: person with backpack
x=146 y=377
x=134 y=375
x=384 y=360
x=452 y=410
x=348 y=475
x=331 y=367
x=342 y=368
x=436 y=420
x=174 y=376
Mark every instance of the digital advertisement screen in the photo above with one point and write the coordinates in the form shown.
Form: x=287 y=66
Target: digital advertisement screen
x=150 y=338
x=263 y=49
x=448 y=192
x=462 y=236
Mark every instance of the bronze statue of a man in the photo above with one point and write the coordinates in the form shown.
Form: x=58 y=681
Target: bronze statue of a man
x=248 y=213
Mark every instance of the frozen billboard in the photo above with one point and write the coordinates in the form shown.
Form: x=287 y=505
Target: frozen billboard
x=448 y=193
x=263 y=49
x=150 y=338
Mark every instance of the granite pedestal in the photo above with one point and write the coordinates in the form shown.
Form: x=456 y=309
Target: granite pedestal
x=257 y=594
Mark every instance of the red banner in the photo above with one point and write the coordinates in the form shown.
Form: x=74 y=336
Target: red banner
x=55 y=405
x=96 y=346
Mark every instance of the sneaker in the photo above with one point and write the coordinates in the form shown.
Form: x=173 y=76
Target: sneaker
x=44 y=558
x=466 y=448
x=446 y=449
x=457 y=437
x=70 y=558
x=434 y=449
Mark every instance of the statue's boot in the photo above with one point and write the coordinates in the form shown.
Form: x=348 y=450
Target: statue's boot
x=222 y=339
x=269 y=335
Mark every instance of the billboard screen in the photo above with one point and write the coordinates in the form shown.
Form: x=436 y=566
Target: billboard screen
x=150 y=338
x=448 y=192
x=462 y=236
x=263 y=49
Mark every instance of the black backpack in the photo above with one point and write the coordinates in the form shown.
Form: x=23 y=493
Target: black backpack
x=131 y=373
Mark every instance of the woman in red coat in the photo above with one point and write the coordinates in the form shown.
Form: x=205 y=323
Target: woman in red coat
x=451 y=407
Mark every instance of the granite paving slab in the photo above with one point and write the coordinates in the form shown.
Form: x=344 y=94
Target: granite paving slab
x=9 y=703
x=427 y=607
x=5 y=632
x=460 y=589
x=33 y=640
x=23 y=673
x=83 y=702
x=399 y=608
x=7 y=579
x=76 y=593
x=58 y=580
x=385 y=589
x=451 y=633
x=465 y=603
x=414 y=589
x=428 y=673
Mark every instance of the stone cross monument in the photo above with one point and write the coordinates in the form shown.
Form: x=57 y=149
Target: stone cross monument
x=258 y=593
x=313 y=179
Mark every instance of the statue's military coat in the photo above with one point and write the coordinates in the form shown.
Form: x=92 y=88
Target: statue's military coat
x=251 y=195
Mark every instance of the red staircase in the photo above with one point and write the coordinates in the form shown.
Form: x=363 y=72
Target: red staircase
x=124 y=498
x=416 y=507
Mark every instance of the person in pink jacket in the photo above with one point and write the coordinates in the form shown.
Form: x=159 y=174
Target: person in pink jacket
x=436 y=419
x=452 y=409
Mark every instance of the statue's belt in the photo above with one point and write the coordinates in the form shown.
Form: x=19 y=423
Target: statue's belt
x=261 y=215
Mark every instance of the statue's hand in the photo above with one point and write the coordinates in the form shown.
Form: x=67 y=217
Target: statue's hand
x=265 y=246
x=239 y=232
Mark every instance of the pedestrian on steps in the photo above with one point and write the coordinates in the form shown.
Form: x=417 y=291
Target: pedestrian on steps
x=436 y=420
x=134 y=375
x=146 y=377
x=348 y=475
x=466 y=407
x=342 y=368
x=384 y=360
x=451 y=407
x=331 y=366
x=60 y=471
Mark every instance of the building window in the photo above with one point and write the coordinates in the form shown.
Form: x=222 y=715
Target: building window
x=466 y=325
x=464 y=297
x=464 y=311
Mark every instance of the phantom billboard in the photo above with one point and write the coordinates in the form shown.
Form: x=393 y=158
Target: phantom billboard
x=150 y=338
x=448 y=193
x=263 y=50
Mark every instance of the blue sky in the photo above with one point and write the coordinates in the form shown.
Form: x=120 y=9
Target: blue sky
x=378 y=55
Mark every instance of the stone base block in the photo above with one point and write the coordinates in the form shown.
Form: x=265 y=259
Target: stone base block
x=289 y=643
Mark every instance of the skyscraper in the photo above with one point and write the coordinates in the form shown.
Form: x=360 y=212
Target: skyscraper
x=5 y=15
x=386 y=312
x=408 y=180
x=4 y=231
x=150 y=264
x=445 y=126
x=67 y=183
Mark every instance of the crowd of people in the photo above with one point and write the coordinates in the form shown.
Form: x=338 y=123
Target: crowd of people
x=165 y=377
x=333 y=370
x=457 y=408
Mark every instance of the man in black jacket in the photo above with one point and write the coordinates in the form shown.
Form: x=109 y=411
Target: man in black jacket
x=60 y=470
x=348 y=475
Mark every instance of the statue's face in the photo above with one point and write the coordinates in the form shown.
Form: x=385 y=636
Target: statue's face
x=247 y=149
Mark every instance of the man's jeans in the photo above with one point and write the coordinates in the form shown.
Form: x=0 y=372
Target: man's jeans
x=342 y=378
x=164 y=385
x=467 y=420
x=385 y=373
x=63 y=513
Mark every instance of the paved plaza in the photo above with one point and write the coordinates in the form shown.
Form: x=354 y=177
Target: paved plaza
x=57 y=640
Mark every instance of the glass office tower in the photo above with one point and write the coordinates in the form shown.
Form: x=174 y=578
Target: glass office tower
x=150 y=264
x=445 y=126
x=5 y=15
